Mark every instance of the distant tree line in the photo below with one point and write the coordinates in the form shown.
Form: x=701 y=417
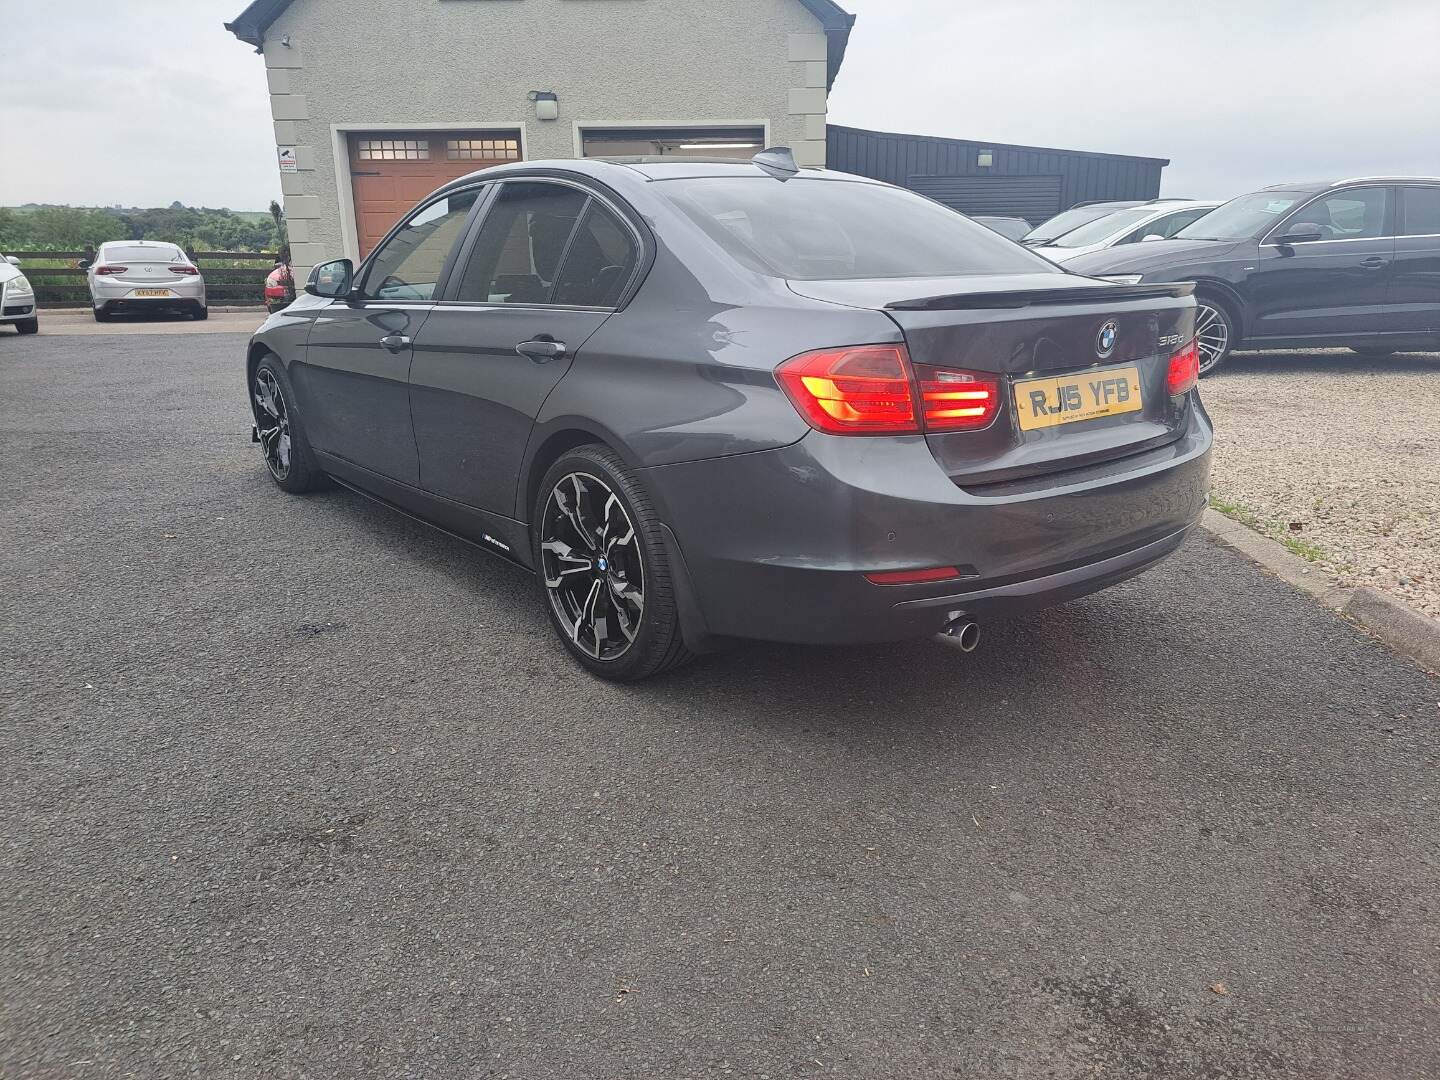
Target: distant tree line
x=70 y=228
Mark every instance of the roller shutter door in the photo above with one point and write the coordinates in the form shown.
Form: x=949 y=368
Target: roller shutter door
x=1033 y=198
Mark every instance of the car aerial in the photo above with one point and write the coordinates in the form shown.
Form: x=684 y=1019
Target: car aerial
x=144 y=275
x=17 y=297
x=1350 y=263
x=1012 y=228
x=1073 y=218
x=715 y=400
x=1148 y=222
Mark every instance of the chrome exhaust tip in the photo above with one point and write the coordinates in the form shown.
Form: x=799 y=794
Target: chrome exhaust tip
x=962 y=633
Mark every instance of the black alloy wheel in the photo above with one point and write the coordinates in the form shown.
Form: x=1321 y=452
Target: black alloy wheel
x=600 y=553
x=590 y=560
x=273 y=421
x=278 y=428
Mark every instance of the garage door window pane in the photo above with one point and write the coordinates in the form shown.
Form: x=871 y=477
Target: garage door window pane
x=482 y=149
x=518 y=251
x=394 y=150
x=599 y=262
x=409 y=264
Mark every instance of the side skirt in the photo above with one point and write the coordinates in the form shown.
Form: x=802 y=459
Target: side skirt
x=496 y=535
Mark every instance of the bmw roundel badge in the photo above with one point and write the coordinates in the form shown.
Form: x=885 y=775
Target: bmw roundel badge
x=1105 y=340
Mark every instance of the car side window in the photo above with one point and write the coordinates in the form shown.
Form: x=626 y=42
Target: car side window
x=1352 y=214
x=516 y=256
x=408 y=266
x=601 y=258
x=1420 y=211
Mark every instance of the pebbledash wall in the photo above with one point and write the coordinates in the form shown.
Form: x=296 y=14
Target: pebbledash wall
x=339 y=66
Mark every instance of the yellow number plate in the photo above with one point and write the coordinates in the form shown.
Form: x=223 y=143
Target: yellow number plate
x=1043 y=403
x=152 y=292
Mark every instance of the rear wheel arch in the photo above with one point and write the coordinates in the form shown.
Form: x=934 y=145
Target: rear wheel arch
x=551 y=446
x=1226 y=296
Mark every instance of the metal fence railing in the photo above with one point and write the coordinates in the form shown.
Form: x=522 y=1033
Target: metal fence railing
x=231 y=277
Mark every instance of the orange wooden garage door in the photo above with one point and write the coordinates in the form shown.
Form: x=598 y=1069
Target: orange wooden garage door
x=392 y=170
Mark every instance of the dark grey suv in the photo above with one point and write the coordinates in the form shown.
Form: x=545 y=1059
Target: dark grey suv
x=706 y=401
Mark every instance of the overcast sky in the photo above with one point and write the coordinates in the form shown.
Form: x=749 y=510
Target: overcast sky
x=142 y=102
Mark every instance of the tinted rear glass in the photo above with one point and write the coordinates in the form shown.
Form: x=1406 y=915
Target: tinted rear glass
x=1422 y=212
x=815 y=230
x=119 y=254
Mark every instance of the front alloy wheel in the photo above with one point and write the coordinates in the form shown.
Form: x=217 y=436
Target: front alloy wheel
x=592 y=568
x=273 y=423
x=1212 y=336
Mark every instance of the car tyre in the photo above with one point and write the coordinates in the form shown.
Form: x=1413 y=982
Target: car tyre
x=283 y=444
x=600 y=559
x=201 y=313
x=1215 y=331
x=1373 y=351
x=28 y=326
x=101 y=315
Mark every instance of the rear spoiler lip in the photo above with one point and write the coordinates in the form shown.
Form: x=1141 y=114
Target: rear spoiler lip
x=1017 y=298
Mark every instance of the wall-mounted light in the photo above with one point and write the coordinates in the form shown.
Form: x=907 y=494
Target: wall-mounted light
x=547 y=105
x=285 y=41
x=985 y=159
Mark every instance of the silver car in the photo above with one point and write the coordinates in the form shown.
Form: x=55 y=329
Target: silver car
x=144 y=275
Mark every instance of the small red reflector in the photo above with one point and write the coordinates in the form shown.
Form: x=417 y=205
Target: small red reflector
x=111 y=269
x=913 y=577
x=1184 y=370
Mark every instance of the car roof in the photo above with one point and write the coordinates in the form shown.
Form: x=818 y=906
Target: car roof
x=646 y=169
x=1324 y=185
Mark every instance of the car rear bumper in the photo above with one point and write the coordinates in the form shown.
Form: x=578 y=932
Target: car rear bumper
x=776 y=544
x=121 y=297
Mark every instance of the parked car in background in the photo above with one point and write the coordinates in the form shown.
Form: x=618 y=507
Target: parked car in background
x=1351 y=263
x=144 y=275
x=279 y=287
x=1149 y=221
x=703 y=404
x=1073 y=218
x=17 y=297
x=1012 y=228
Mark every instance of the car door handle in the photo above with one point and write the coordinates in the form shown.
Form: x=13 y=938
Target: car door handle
x=541 y=350
x=1374 y=262
x=395 y=342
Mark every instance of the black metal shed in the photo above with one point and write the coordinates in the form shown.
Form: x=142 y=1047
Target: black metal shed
x=1031 y=182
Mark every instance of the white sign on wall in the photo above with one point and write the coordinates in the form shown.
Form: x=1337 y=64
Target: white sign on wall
x=287 y=159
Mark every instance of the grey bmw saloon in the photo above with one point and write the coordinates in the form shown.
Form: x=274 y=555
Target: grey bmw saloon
x=705 y=401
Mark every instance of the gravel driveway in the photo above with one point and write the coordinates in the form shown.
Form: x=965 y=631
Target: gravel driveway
x=298 y=788
x=1339 y=457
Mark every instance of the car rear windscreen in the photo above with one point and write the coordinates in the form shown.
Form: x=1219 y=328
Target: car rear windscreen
x=143 y=254
x=814 y=230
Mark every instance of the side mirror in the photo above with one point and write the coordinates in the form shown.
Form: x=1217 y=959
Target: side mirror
x=334 y=280
x=1301 y=232
x=12 y=260
x=1151 y=236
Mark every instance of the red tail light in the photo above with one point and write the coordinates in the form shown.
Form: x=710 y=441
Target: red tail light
x=111 y=269
x=872 y=390
x=1184 y=370
x=862 y=390
x=957 y=400
x=183 y=268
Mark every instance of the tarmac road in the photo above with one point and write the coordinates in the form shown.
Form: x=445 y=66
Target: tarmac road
x=295 y=787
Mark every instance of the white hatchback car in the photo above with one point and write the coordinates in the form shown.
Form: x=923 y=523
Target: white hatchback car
x=144 y=275
x=17 y=298
x=1158 y=220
